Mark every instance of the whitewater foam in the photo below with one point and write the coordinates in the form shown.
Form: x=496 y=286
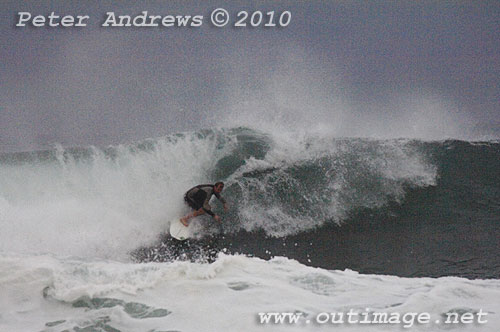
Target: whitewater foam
x=101 y=202
x=224 y=296
x=302 y=183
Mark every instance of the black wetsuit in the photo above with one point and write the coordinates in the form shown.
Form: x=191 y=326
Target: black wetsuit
x=198 y=197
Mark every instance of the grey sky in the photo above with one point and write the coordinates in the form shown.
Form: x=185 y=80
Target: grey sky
x=358 y=64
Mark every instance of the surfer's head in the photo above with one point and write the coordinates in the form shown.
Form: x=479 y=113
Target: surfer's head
x=218 y=186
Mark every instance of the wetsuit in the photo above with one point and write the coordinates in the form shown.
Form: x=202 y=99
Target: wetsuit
x=198 y=197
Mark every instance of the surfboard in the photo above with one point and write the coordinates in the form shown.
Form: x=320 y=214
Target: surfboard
x=178 y=231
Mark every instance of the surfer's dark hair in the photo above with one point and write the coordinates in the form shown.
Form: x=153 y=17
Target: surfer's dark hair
x=218 y=183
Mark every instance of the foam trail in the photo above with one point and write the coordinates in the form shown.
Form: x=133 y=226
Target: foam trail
x=304 y=182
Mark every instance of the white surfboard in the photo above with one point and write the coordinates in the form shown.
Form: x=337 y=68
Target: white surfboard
x=178 y=230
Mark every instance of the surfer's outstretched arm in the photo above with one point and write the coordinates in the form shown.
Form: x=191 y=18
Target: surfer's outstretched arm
x=206 y=208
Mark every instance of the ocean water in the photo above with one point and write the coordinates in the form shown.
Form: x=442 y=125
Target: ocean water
x=317 y=224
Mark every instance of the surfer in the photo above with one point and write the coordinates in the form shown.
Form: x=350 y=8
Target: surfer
x=198 y=198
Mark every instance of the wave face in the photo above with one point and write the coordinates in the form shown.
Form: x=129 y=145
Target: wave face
x=298 y=196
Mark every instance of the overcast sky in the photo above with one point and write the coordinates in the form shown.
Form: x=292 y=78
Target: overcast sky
x=357 y=64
